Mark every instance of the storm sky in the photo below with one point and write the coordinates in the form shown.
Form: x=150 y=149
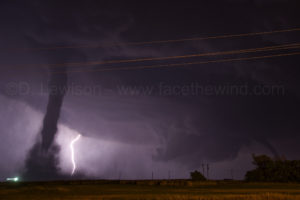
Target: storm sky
x=165 y=120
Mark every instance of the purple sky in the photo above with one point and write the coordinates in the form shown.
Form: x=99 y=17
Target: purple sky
x=134 y=122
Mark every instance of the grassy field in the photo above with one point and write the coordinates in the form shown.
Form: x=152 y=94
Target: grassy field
x=148 y=189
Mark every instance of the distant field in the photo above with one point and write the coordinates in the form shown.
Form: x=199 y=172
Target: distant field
x=148 y=189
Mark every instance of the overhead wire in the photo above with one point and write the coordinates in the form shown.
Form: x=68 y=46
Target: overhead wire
x=158 y=41
x=231 y=52
x=182 y=64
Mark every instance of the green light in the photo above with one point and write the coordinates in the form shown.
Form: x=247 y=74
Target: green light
x=13 y=179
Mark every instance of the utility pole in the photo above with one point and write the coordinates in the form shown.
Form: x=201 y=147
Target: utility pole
x=203 y=169
x=231 y=172
x=120 y=175
x=169 y=174
x=207 y=170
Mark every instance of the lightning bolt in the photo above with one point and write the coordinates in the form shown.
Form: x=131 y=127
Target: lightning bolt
x=72 y=152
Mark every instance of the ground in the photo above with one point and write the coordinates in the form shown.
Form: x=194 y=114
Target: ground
x=149 y=189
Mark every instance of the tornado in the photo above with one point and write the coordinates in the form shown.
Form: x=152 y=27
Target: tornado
x=57 y=90
x=42 y=161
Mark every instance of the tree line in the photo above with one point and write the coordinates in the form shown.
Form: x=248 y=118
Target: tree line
x=274 y=170
x=267 y=170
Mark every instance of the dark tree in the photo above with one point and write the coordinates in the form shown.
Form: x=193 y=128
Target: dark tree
x=274 y=170
x=195 y=175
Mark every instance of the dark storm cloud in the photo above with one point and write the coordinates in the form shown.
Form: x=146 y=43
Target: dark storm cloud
x=184 y=129
x=228 y=126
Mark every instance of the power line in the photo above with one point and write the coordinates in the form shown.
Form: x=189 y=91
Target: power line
x=269 y=48
x=183 y=64
x=93 y=63
x=160 y=41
